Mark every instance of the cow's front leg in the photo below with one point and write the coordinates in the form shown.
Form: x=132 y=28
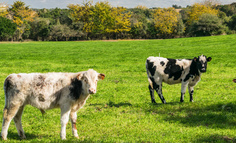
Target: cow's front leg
x=190 y=90
x=65 y=112
x=73 y=118
x=183 y=90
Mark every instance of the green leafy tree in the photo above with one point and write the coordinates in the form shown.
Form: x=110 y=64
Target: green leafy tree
x=232 y=22
x=229 y=9
x=40 y=28
x=7 y=28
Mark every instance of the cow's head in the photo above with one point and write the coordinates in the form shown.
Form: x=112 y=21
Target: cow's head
x=89 y=80
x=201 y=63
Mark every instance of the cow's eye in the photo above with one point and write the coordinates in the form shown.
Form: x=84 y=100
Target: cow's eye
x=85 y=80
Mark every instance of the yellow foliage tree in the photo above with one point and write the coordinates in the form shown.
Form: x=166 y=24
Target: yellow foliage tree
x=100 y=18
x=21 y=15
x=166 y=20
x=197 y=10
x=82 y=13
x=3 y=9
x=121 y=20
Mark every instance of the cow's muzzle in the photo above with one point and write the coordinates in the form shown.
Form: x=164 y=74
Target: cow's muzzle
x=92 y=91
x=203 y=70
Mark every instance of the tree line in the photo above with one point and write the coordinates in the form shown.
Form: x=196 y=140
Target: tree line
x=101 y=21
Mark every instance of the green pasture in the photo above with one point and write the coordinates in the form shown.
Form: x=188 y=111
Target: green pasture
x=121 y=110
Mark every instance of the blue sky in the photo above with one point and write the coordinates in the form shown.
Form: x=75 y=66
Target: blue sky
x=125 y=3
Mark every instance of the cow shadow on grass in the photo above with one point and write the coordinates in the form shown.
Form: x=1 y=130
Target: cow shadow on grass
x=15 y=136
x=113 y=104
x=217 y=115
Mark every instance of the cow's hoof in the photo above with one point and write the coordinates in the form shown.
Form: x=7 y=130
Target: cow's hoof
x=153 y=101
x=23 y=137
x=77 y=137
x=191 y=101
x=181 y=100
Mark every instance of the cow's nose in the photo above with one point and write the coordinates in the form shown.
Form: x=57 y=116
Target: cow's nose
x=92 y=91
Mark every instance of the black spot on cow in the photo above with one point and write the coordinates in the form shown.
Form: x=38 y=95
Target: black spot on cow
x=193 y=71
x=173 y=70
x=41 y=98
x=41 y=77
x=40 y=81
x=151 y=68
x=76 y=88
x=162 y=63
x=9 y=85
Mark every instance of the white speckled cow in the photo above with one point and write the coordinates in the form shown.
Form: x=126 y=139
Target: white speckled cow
x=172 y=71
x=67 y=91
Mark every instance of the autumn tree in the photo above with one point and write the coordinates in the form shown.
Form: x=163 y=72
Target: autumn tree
x=82 y=13
x=101 y=18
x=3 y=9
x=197 y=10
x=21 y=15
x=120 y=21
x=166 y=21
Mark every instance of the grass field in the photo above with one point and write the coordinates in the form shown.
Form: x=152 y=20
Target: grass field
x=121 y=110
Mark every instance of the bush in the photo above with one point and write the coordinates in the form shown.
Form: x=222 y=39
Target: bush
x=207 y=25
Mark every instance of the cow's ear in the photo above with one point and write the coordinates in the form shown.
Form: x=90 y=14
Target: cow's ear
x=101 y=76
x=79 y=76
x=195 y=59
x=209 y=59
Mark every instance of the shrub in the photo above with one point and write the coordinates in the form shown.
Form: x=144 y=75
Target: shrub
x=207 y=25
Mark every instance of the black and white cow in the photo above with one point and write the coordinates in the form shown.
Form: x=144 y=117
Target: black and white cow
x=67 y=91
x=172 y=71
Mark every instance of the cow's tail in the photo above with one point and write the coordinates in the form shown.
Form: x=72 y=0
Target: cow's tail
x=7 y=86
x=149 y=74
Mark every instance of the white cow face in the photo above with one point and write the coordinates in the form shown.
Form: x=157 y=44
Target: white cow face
x=201 y=62
x=89 y=80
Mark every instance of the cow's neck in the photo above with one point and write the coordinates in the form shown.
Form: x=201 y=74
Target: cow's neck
x=194 y=70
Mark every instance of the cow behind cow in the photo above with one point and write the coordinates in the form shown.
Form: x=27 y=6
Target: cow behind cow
x=172 y=71
x=67 y=91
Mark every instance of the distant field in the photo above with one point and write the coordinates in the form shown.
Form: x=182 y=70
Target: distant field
x=122 y=111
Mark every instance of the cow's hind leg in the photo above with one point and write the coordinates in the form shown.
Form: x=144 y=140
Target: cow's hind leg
x=17 y=120
x=158 y=88
x=150 y=80
x=152 y=94
x=8 y=114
